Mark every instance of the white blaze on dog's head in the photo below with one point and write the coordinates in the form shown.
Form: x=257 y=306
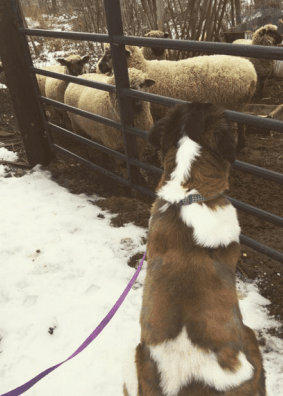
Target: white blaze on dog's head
x=173 y=191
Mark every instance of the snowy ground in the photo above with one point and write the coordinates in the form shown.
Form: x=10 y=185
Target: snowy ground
x=63 y=267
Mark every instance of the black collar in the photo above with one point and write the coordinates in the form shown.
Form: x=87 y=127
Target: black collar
x=196 y=198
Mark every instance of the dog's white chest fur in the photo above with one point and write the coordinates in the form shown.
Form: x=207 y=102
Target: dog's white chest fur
x=180 y=362
x=212 y=228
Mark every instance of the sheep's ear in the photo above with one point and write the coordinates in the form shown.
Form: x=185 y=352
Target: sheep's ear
x=85 y=59
x=62 y=61
x=147 y=83
x=225 y=141
x=166 y=35
x=128 y=52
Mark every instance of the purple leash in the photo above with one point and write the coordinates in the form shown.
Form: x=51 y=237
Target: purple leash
x=21 y=389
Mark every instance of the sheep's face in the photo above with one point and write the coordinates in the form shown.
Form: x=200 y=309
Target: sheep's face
x=74 y=64
x=106 y=64
x=157 y=34
x=138 y=81
x=203 y=123
x=140 y=86
x=269 y=36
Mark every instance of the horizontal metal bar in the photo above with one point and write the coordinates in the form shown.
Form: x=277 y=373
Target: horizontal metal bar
x=255 y=51
x=82 y=113
x=75 y=80
x=258 y=171
x=243 y=118
x=136 y=131
x=86 y=141
x=144 y=191
x=261 y=214
x=145 y=166
x=149 y=97
x=101 y=38
x=118 y=179
x=267 y=251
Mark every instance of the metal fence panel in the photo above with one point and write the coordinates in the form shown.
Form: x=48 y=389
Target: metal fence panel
x=38 y=151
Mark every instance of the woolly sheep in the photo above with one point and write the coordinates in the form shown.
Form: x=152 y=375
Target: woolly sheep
x=106 y=104
x=155 y=53
x=222 y=80
x=55 y=89
x=266 y=35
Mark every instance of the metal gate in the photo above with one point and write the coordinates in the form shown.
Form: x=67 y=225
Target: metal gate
x=37 y=131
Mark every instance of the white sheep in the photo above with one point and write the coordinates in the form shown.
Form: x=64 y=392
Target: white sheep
x=74 y=65
x=268 y=36
x=106 y=104
x=226 y=81
x=155 y=53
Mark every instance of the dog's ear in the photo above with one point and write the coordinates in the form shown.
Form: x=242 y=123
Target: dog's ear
x=225 y=142
x=169 y=126
x=155 y=133
x=193 y=123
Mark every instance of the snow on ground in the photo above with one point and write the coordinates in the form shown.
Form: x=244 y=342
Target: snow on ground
x=62 y=270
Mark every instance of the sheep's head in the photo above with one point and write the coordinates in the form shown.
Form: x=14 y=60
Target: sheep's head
x=138 y=81
x=134 y=56
x=203 y=123
x=105 y=64
x=74 y=64
x=157 y=34
x=267 y=35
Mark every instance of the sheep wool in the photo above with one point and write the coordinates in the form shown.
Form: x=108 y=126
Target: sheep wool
x=268 y=36
x=106 y=105
x=219 y=79
x=155 y=53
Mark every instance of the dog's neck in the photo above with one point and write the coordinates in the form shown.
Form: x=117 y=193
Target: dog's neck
x=192 y=170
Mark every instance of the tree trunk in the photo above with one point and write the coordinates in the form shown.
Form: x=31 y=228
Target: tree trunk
x=238 y=11
x=160 y=14
x=54 y=6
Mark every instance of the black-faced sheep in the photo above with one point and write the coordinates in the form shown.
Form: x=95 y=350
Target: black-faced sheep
x=266 y=35
x=73 y=65
x=155 y=53
x=106 y=104
x=227 y=81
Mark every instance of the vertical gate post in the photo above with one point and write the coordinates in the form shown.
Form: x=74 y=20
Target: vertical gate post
x=115 y=28
x=16 y=61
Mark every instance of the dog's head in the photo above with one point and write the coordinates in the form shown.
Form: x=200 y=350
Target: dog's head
x=203 y=123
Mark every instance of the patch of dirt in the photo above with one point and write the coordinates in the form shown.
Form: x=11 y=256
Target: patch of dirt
x=131 y=206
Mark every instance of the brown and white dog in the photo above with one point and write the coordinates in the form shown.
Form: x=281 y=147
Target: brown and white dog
x=193 y=340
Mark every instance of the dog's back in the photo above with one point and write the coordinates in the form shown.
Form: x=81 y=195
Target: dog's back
x=193 y=340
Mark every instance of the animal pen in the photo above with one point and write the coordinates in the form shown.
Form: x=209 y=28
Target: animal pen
x=36 y=131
